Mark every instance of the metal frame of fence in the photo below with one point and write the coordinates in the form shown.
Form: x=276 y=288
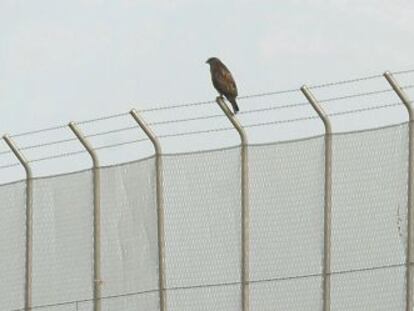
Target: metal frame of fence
x=245 y=232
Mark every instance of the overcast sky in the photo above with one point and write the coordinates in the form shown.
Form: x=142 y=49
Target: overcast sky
x=78 y=59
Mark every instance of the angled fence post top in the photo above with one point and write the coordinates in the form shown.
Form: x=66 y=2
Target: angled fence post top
x=19 y=155
x=147 y=130
x=89 y=148
x=318 y=108
x=400 y=93
x=234 y=121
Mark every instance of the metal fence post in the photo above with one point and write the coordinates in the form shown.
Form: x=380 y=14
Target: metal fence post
x=409 y=260
x=327 y=199
x=29 y=221
x=160 y=205
x=245 y=214
x=97 y=216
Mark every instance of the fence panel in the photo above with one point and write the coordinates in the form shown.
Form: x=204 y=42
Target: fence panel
x=129 y=237
x=12 y=245
x=369 y=219
x=287 y=204
x=202 y=228
x=62 y=239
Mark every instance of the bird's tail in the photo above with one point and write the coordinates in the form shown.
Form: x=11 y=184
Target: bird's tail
x=234 y=104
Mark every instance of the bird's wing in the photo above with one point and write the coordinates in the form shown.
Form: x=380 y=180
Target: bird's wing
x=224 y=82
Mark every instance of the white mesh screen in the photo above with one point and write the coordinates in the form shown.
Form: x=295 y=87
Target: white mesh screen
x=369 y=218
x=62 y=239
x=202 y=196
x=129 y=237
x=12 y=245
x=287 y=202
x=202 y=227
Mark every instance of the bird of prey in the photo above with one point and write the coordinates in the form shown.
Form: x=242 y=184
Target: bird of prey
x=223 y=81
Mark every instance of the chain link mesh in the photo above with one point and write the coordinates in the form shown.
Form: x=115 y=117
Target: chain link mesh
x=202 y=192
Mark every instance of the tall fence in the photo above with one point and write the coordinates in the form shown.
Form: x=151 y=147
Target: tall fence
x=303 y=201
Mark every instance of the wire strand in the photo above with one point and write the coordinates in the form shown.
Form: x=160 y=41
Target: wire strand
x=318 y=86
x=104 y=118
x=48 y=129
x=57 y=156
x=9 y=165
x=121 y=144
x=119 y=130
x=226 y=284
x=377 y=92
x=401 y=72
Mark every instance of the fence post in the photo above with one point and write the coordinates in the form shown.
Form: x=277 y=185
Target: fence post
x=409 y=260
x=160 y=205
x=29 y=221
x=97 y=216
x=327 y=199
x=245 y=213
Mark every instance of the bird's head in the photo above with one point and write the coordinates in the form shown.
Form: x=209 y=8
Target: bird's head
x=212 y=61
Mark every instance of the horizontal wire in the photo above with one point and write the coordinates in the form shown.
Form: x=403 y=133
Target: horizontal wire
x=201 y=103
x=273 y=108
x=9 y=165
x=377 y=92
x=56 y=142
x=121 y=144
x=205 y=103
x=318 y=86
x=225 y=284
x=48 y=129
x=268 y=94
x=281 y=121
x=119 y=130
x=194 y=132
x=403 y=72
x=187 y=119
x=178 y=106
x=103 y=118
x=220 y=129
x=364 y=109
x=67 y=154
x=5 y=152
x=56 y=156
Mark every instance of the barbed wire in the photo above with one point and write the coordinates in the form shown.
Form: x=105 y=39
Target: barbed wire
x=104 y=118
x=118 y=130
x=401 y=72
x=57 y=156
x=68 y=154
x=9 y=165
x=121 y=144
x=205 y=131
x=191 y=104
x=245 y=112
x=48 y=129
x=377 y=92
x=333 y=114
x=366 y=78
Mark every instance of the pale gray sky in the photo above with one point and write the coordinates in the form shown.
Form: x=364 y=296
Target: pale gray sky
x=79 y=59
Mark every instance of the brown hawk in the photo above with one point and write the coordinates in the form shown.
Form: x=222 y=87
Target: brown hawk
x=223 y=81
